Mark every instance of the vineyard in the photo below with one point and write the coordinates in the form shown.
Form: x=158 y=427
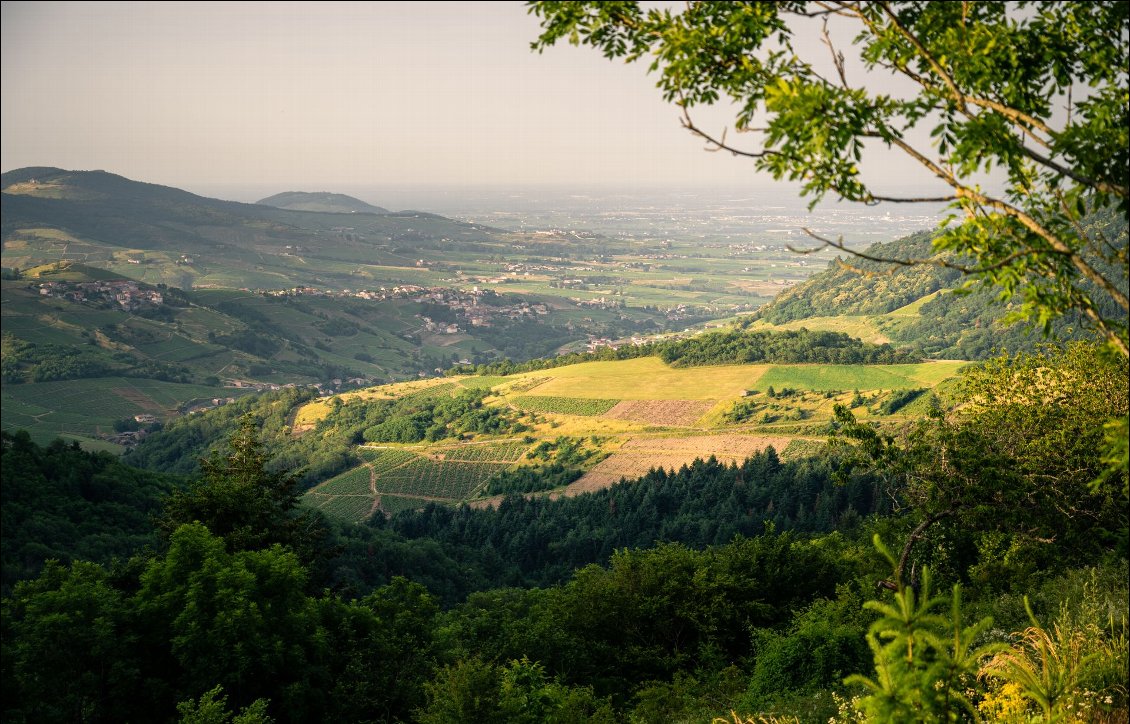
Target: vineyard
x=350 y=495
x=356 y=508
x=564 y=405
x=453 y=480
x=508 y=451
x=381 y=460
x=404 y=478
x=351 y=482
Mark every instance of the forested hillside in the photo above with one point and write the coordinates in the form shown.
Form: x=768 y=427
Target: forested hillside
x=927 y=307
x=679 y=596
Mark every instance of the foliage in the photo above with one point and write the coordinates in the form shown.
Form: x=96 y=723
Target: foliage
x=924 y=661
x=520 y=692
x=67 y=649
x=734 y=346
x=249 y=508
x=981 y=78
x=865 y=287
x=898 y=400
x=60 y=502
x=210 y=710
x=1071 y=671
x=531 y=479
x=1016 y=456
x=946 y=321
x=706 y=503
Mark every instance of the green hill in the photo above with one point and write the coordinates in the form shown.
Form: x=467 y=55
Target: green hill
x=321 y=201
x=185 y=240
x=568 y=429
x=922 y=307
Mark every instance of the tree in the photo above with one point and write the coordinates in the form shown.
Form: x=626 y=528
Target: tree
x=251 y=508
x=67 y=648
x=1032 y=94
x=1014 y=456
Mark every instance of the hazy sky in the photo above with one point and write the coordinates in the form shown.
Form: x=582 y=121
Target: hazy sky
x=329 y=95
x=324 y=94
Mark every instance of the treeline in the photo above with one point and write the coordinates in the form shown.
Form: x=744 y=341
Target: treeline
x=436 y=413
x=738 y=346
x=790 y=347
x=183 y=442
x=229 y=614
x=431 y=414
x=703 y=504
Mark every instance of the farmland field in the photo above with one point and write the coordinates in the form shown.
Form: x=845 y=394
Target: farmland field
x=858 y=377
x=508 y=451
x=661 y=412
x=648 y=378
x=616 y=409
x=564 y=405
x=641 y=454
x=356 y=508
x=352 y=482
x=381 y=460
x=78 y=408
x=453 y=480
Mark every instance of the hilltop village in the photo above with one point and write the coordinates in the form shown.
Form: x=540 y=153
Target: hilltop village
x=126 y=294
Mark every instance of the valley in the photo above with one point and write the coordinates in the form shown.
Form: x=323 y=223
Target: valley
x=201 y=300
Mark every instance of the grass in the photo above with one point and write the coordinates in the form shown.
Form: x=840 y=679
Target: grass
x=864 y=327
x=857 y=377
x=647 y=378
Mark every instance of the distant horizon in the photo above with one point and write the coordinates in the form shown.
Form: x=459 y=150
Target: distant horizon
x=559 y=199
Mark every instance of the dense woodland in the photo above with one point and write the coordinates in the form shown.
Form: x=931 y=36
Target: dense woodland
x=679 y=596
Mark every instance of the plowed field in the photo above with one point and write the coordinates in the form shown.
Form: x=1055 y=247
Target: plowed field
x=681 y=413
x=639 y=455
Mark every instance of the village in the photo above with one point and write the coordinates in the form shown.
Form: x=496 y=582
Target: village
x=127 y=294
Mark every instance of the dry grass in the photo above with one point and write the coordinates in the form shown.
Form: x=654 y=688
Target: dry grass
x=641 y=454
x=682 y=413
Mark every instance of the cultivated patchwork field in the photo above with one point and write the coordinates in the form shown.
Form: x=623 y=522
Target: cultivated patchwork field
x=632 y=416
x=395 y=478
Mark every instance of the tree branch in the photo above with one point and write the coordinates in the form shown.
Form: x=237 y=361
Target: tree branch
x=720 y=144
x=931 y=261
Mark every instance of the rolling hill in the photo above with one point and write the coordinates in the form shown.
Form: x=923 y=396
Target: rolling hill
x=563 y=430
x=921 y=307
x=185 y=240
x=321 y=201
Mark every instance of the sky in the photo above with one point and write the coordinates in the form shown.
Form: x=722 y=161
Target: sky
x=328 y=96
